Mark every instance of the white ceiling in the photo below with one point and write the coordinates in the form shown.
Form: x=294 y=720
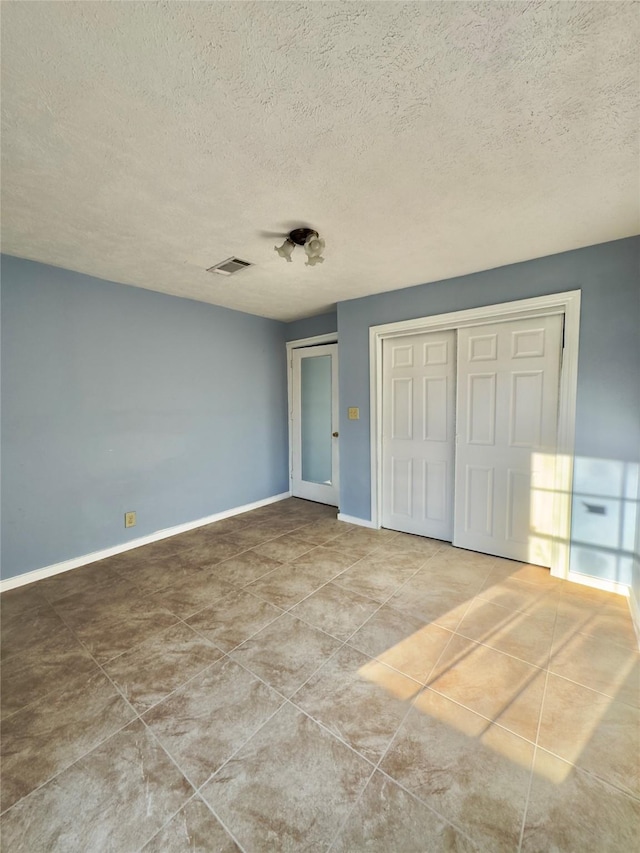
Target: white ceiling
x=144 y=142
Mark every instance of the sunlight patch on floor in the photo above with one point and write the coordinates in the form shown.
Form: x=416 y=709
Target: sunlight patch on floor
x=469 y=691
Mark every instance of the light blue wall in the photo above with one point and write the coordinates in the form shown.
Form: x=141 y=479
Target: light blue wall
x=321 y=324
x=608 y=405
x=116 y=399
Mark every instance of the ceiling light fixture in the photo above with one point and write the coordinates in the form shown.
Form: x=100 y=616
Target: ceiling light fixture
x=307 y=237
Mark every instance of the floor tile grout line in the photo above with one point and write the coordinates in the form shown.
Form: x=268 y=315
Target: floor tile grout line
x=125 y=574
x=468 y=601
x=378 y=764
x=399 y=727
x=591 y=773
x=528 y=681
x=166 y=823
x=602 y=640
x=537 y=738
x=246 y=587
x=101 y=668
x=538 y=746
x=375 y=767
x=350 y=811
x=197 y=788
x=406 y=716
x=169 y=755
x=234 y=588
x=371 y=616
x=332 y=579
x=223 y=654
x=337 y=737
x=286 y=700
x=223 y=824
x=488 y=720
x=182 y=684
x=111 y=624
x=447 y=820
x=389 y=596
x=199 y=632
x=5 y=717
x=327 y=661
x=135 y=712
x=241 y=746
x=375 y=601
x=228 y=654
x=592 y=636
x=137 y=716
x=318 y=588
x=300 y=686
x=291 y=701
x=62 y=770
x=499 y=651
x=594 y=690
x=343 y=643
x=507 y=623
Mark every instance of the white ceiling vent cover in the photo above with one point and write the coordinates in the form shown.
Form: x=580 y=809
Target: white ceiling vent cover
x=230 y=266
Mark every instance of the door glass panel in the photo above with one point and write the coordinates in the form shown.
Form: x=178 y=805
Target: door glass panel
x=315 y=389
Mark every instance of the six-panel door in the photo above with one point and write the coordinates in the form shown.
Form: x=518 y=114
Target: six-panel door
x=507 y=413
x=418 y=401
x=469 y=435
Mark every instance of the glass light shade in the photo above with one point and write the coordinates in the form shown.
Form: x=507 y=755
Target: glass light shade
x=314 y=247
x=312 y=260
x=286 y=250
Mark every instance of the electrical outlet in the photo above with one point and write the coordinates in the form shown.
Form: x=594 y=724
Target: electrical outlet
x=354 y=413
x=129 y=519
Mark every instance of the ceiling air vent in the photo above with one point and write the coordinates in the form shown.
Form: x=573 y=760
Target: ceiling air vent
x=230 y=266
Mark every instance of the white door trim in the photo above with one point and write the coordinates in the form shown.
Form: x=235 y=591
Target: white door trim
x=329 y=338
x=567 y=303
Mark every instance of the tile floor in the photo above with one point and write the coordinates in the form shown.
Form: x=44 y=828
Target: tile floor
x=281 y=681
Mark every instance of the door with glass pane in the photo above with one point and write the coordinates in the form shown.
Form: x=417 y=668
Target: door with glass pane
x=314 y=421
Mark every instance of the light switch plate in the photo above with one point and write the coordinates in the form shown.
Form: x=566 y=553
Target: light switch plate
x=354 y=413
x=129 y=519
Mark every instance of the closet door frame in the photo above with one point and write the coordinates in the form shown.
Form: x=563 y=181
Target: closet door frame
x=567 y=304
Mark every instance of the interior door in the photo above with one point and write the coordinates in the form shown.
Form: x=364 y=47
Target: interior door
x=418 y=433
x=314 y=422
x=507 y=415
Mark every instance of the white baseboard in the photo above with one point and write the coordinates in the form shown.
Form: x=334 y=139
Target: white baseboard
x=599 y=583
x=94 y=556
x=634 y=607
x=361 y=522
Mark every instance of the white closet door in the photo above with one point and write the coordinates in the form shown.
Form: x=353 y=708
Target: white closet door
x=418 y=434
x=507 y=415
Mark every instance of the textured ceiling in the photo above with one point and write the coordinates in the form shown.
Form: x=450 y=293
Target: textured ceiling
x=144 y=142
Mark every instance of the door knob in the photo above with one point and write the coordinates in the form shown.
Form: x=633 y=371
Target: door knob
x=334 y=434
